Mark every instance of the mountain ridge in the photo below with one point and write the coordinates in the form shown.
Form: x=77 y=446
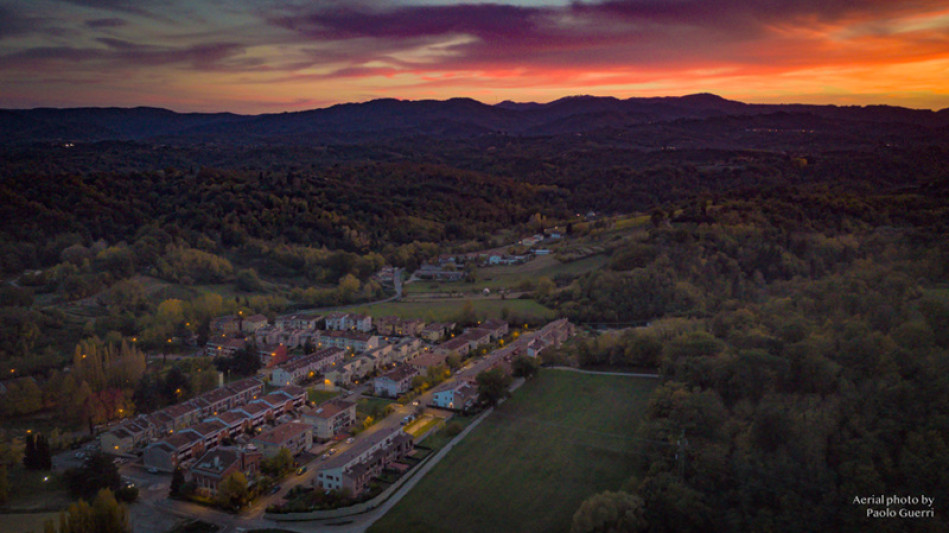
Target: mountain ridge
x=392 y=118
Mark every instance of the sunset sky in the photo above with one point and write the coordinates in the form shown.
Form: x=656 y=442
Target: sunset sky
x=260 y=56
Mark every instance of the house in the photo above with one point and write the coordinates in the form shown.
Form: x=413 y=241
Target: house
x=498 y=328
x=272 y=355
x=459 y=395
x=215 y=465
x=180 y=415
x=245 y=390
x=254 y=413
x=409 y=327
x=226 y=325
x=352 y=469
x=353 y=340
x=235 y=422
x=298 y=321
x=253 y=323
x=436 y=273
x=553 y=334
x=213 y=432
x=330 y=418
x=223 y=346
x=116 y=440
x=461 y=345
x=395 y=382
x=386 y=325
x=346 y=321
x=306 y=367
x=126 y=435
x=294 y=436
x=426 y=360
x=276 y=403
x=296 y=394
x=361 y=323
x=166 y=454
x=435 y=331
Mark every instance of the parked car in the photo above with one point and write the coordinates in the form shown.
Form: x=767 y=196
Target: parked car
x=275 y=489
x=350 y=440
x=331 y=451
x=301 y=470
x=152 y=470
x=415 y=403
x=325 y=456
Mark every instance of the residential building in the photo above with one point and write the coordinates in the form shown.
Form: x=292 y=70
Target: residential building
x=294 y=436
x=169 y=452
x=353 y=340
x=298 y=321
x=272 y=355
x=223 y=346
x=226 y=325
x=436 y=331
x=330 y=418
x=458 y=395
x=395 y=382
x=352 y=469
x=307 y=366
x=253 y=323
x=212 y=467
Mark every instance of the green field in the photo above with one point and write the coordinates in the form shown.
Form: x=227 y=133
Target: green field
x=509 y=277
x=319 y=396
x=21 y=523
x=561 y=438
x=448 y=309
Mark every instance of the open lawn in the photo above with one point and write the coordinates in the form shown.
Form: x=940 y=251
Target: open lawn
x=29 y=491
x=448 y=309
x=319 y=396
x=22 y=523
x=561 y=438
x=509 y=277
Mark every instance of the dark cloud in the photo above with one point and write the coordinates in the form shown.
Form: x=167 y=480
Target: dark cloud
x=118 y=53
x=106 y=23
x=14 y=22
x=584 y=35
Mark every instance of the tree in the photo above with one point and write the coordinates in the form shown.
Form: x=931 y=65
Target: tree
x=525 y=367
x=544 y=286
x=4 y=484
x=617 y=512
x=177 y=480
x=109 y=515
x=493 y=386
x=453 y=360
x=98 y=472
x=279 y=465
x=232 y=492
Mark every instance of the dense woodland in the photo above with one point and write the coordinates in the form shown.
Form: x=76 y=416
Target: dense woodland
x=794 y=297
x=803 y=355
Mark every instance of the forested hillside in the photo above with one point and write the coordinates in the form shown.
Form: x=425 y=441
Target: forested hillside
x=800 y=333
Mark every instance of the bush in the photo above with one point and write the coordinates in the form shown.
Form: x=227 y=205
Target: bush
x=127 y=494
x=453 y=428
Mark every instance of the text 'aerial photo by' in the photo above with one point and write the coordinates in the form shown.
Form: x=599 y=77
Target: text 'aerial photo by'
x=506 y=266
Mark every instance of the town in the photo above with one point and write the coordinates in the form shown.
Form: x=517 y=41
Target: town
x=230 y=431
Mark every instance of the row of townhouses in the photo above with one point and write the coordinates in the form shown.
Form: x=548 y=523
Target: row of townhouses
x=353 y=469
x=307 y=366
x=133 y=432
x=193 y=441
